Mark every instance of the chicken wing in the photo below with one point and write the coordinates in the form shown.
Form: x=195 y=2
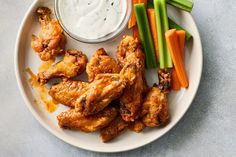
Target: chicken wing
x=129 y=51
x=137 y=126
x=67 y=92
x=73 y=63
x=114 y=129
x=104 y=89
x=73 y=119
x=51 y=39
x=101 y=63
x=92 y=97
x=164 y=76
x=127 y=46
x=155 y=108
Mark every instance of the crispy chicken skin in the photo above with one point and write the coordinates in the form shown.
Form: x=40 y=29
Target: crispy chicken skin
x=73 y=63
x=101 y=63
x=51 y=39
x=132 y=99
x=137 y=126
x=104 y=89
x=165 y=81
x=129 y=51
x=91 y=98
x=127 y=46
x=101 y=92
x=155 y=108
x=68 y=91
x=73 y=119
x=114 y=129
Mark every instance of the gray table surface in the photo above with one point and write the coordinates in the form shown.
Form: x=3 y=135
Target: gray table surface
x=208 y=128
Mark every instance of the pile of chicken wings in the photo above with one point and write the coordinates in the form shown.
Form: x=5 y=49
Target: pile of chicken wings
x=116 y=96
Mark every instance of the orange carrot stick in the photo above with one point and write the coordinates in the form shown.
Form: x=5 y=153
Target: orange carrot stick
x=181 y=38
x=175 y=51
x=143 y=1
x=175 y=84
x=132 y=20
x=175 y=80
x=135 y=32
x=153 y=28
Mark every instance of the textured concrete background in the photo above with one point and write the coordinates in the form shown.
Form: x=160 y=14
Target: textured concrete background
x=208 y=128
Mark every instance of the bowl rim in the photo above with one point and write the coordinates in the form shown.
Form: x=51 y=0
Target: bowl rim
x=108 y=37
x=39 y=119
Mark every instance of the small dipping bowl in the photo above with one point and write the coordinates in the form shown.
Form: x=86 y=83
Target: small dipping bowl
x=105 y=38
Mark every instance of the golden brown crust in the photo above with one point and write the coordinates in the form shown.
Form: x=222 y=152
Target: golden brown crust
x=101 y=63
x=114 y=129
x=155 y=108
x=73 y=119
x=67 y=92
x=51 y=39
x=104 y=89
x=129 y=51
x=127 y=46
x=137 y=126
x=73 y=63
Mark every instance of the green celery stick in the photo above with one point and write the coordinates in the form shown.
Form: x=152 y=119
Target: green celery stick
x=150 y=4
x=182 y=4
x=162 y=27
x=145 y=35
x=173 y=25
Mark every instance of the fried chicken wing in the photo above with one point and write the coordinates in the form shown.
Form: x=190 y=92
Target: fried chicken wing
x=101 y=63
x=73 y=63
x=165 y=81
x=132 y=99
x=90 y=98
x=67 y=92
x=137 y=126
x=104 y=89
x=114 y=129
x=127 y=46
x=129 y=51
x=51 y=39
x=155 y=108
x=100 y=94
x=73 y=119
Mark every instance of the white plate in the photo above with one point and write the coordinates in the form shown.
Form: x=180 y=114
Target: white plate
x=179 y=102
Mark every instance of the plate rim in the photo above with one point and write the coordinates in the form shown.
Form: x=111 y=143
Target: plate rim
x=39 y=119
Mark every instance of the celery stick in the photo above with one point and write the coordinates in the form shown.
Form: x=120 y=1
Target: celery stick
x=182 y=4
x=145 y=35
x=162 y=27
x=172 y=24
x=150 y=4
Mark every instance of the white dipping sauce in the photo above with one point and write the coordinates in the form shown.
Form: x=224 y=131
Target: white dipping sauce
x=92 y=19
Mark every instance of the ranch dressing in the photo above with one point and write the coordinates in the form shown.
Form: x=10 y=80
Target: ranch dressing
x=92 y=19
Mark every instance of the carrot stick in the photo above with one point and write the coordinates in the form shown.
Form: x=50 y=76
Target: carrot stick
x=175 y=51
x=135 y=32
x=175 y=84
x=181 y=37
x=132 y=21
x=175 y=80
x=143 y=1
x=153 y=27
